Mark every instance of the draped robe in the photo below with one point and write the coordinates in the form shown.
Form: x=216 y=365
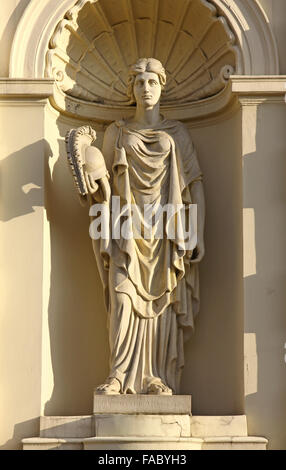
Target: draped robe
x=151 y=286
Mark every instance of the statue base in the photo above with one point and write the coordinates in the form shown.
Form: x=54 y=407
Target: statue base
x=143 y=404
x=144 y=422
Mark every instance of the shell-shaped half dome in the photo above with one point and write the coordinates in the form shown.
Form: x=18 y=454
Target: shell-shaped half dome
x=97 y=41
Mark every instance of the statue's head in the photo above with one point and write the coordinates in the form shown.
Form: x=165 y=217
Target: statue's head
x=146 y=79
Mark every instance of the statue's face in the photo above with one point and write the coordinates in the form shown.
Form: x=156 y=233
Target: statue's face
x=147 y=89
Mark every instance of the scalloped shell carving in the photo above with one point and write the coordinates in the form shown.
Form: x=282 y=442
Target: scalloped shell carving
x=94 y=45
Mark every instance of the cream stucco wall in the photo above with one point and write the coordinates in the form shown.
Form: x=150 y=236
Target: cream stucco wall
x=264 y=286
x=75 y=322
x=53 y=337
x=22 y=212
x=214 y=366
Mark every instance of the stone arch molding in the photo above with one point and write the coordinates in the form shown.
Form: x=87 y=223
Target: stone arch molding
x=245 y=46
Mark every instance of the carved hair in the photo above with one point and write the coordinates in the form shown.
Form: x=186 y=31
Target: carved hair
x=145 y=65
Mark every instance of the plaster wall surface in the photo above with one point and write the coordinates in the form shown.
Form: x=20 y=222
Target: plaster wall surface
x=75 y=325
x=214 y=354
x=22 y=206
x=264 y=287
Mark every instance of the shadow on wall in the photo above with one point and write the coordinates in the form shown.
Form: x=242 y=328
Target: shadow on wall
x=77 y=317
x=26 y=429
x=265 y=294
x=21 y=181
x=21 y=194
x=214 y=356
x=77 y=326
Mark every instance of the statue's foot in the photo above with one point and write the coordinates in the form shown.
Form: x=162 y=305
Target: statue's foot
x=110 y=387
x=159 y=388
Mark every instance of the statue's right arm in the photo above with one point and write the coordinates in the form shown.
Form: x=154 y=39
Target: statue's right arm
x=109 y=143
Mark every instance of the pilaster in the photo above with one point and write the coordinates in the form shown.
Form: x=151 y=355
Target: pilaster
x=23 y=161
x=263 y=145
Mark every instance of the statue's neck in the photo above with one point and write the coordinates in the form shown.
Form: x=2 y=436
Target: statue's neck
x=147 y=116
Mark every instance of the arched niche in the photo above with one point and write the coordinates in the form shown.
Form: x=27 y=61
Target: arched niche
x=242 y=28
x=87 y=46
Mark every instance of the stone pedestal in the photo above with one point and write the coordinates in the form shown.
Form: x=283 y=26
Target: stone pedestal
x=143 y=404
x=144 y=422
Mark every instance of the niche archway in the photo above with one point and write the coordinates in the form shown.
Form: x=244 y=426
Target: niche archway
x=87 y=47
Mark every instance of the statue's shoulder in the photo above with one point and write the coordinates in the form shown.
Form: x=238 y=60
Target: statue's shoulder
x=178 y=129
x=115 y=126
x=179 y=125
x=111 y=131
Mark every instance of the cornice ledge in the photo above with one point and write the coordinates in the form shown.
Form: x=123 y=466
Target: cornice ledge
x=259 y=85
x=199 y=112
x=11 y=88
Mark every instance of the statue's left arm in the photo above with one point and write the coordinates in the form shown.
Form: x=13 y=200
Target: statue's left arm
x=192 y=179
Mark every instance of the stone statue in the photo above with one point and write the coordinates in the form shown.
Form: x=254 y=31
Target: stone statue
x=151 y=283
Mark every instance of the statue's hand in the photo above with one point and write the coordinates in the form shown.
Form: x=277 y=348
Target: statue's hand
x=96 y=173
x=100 y=188
x=105 y=188
x=198 y=252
